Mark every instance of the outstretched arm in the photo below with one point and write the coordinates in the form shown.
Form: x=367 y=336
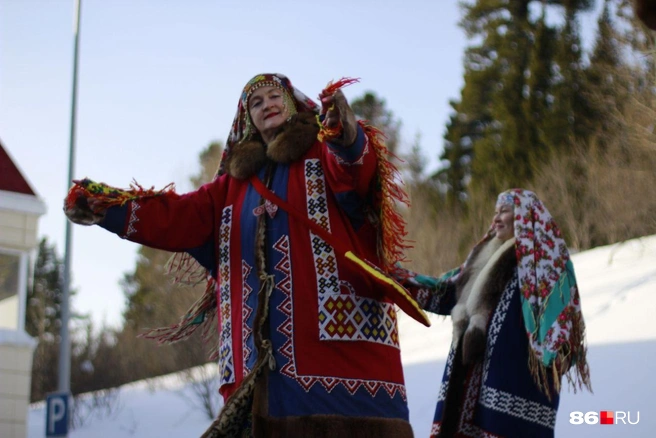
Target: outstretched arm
x=434 y=294
x=159 y=219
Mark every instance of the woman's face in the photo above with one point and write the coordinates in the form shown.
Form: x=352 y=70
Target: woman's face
x=267 y=110
x=503 y=222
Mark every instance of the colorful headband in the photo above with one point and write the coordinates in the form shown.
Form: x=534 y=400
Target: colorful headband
x=266 y=80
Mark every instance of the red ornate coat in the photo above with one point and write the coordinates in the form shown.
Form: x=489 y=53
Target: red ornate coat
x=334 y=336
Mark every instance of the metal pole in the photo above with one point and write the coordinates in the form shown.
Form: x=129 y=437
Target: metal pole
x=65 y=345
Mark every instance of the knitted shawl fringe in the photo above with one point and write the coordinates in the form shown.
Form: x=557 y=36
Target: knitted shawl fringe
x=570 y=362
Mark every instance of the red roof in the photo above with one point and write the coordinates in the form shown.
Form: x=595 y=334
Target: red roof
x=11 y=179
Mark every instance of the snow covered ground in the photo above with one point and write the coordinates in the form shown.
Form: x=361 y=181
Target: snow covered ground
x=618 y=293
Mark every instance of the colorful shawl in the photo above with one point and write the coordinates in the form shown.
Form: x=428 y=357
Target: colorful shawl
x=551 y=305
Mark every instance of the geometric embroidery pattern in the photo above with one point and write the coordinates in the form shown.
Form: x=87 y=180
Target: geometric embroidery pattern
x=325 y=261
x=133 y=219
x=347 y=317
x=246 y=313
x=326 y=281
x=487 y=396
x=519 y=407
x=342 y=317
x=502 y=401
x=226 y=360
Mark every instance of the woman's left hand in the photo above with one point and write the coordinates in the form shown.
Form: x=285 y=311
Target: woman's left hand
x=329 y=109
x=336 y=111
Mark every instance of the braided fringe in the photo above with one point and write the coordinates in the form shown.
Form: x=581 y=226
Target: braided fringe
x=108 y=196
x=391 y=243
x=185 y=269
x=571 y=362
x=202 y=313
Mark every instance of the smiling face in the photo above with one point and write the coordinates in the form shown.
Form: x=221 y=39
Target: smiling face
x=503 y=221
x=267 y=109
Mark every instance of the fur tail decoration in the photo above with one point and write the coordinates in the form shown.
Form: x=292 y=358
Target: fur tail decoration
x=108 y=196
x=392 y=243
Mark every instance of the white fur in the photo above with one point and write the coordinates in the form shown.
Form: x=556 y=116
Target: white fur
x=475 y=295
x=468 y=312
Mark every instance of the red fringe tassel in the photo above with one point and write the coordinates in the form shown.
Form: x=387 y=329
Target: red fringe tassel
x=392 y=243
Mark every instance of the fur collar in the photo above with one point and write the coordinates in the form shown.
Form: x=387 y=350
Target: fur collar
x=488 y=271
x=291 y=143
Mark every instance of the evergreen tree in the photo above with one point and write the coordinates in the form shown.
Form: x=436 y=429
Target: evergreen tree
x=571 y=112
x=374 y=110
x=43 y=314
x=43 y=318
x=208 y=160
x=502 y=125
x=607 y=92
x=539 y=102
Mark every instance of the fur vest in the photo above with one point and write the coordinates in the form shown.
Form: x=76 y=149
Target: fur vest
x=484 y=278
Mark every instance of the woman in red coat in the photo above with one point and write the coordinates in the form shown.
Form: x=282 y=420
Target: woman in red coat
x=308 y=340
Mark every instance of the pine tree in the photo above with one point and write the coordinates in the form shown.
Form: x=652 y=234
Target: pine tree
x=374 y=110
x=43 y=318
x=504 y=122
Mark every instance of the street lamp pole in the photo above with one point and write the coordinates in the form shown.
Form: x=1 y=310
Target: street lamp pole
x=64 y=383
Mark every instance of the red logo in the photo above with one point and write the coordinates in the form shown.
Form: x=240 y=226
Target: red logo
x=606 y=417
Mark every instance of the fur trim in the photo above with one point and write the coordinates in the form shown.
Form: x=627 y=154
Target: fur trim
x=646 y=11
x=245 y=159
x=473 y=345
x=483 y=296
x=486 y=275
x=291 y=143
x=296 y=137
x=454 y=394
x=329 y=426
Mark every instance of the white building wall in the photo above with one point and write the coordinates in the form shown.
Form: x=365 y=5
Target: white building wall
x=16 y=349
x=18 y=238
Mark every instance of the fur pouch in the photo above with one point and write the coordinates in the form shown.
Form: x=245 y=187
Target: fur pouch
x=81 y=213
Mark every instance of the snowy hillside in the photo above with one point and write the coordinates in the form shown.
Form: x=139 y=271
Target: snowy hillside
x=618 y=293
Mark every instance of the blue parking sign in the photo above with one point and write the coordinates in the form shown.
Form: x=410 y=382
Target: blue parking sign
x=57 y=414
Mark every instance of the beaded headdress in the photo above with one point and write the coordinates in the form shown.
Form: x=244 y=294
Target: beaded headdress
x=242 y=126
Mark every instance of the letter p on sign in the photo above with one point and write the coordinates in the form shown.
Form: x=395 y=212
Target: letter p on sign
x=57 y=414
